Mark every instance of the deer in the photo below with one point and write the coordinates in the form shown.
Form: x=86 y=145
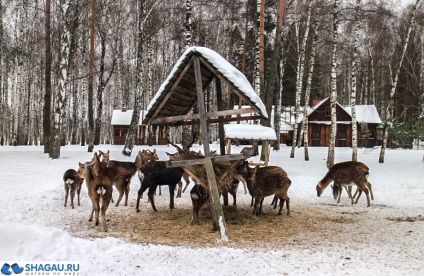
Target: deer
x=154 y=174
x=99 y=189
x=346 y=174
x=119 y=176
x=263 y=182
x=185 y=176
x=131 y=167
x=72 y=182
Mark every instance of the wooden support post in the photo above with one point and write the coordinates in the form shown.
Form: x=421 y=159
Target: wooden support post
x=217 y=214
x=215 y=204
x=220 y=108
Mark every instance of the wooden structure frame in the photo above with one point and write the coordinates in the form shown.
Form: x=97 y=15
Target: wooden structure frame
x=183 y=89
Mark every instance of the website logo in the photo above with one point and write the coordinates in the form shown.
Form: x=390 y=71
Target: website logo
x=41 y=268
x=7 y=269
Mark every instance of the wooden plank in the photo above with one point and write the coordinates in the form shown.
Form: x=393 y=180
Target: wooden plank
x=219 y=158
x=230 y=168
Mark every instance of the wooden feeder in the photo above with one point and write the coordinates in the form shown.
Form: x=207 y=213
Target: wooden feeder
x=183 y=89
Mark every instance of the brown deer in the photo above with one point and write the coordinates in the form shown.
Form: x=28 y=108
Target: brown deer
x=263 y=182
x=73 y=182
x=99 y=190
x=346 y=174
x=119 y=176
x=154 y=174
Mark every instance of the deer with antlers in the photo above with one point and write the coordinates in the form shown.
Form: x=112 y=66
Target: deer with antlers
x=346 y=174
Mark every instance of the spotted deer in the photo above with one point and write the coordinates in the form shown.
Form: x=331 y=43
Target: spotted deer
x=345 y=174
x=73 y=182
x=263 y=182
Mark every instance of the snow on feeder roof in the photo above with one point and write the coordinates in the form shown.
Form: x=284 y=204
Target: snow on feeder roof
x=177 y=95
x=249 y=132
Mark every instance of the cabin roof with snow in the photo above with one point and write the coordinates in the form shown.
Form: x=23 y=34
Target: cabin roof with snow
x=249 y=132
x=177 y=95
x=123 y=117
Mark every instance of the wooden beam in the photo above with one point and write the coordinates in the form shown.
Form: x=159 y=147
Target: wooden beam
x=215 y=114
x=219 y=158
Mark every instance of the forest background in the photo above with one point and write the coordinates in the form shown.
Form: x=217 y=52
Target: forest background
x=66 y=65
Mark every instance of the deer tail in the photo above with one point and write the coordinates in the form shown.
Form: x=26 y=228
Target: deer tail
x=100 y=190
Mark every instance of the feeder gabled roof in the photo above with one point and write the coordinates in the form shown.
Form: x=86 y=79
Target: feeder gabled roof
x=178 y=95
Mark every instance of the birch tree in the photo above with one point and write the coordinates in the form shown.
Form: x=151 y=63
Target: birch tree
x=390 y=104
x=129 y=140
x=186 y=133
x=304 y=131
x=63 y=78
x=3 y=103
x=48 y=93
x=353 y=92
x=91 y=78
x=333 y=80
x=299 y=80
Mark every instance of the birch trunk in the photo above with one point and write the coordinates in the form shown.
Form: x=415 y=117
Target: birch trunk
x=186 y=137
x=129 y=140
x=304 y=131
x=333 y=80
x=91 y=78
x=48 y=93
x=353 y=92
x=3 y=103
x=62 y=82
x=390 y=105
x=299 y=80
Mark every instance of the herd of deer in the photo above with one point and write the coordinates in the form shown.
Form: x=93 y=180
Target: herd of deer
x=101 y=173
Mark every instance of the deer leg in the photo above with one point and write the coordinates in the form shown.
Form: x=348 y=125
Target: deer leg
x=171 y=195
x=180 y=187
x=67 y=193
x=260 y=205
x=92 y=212
x=97 y=210
x=233 y=194
x=78 y=193
x=281 y=203
x=349 y=193
x=187 y=181
x=160 y=190
x=119 y=187
x=274 y=201
x=140 y=193
x=369 y=186
x=151 y=195
x=105 y=204
x=357 y=193
x=251 y=202
x=72 y=197
x=225 y=197
x=127 y=191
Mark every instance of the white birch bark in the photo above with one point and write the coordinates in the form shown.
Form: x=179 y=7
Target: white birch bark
x=333 y=80
x=130 y=139
x=353 y=92
x=390 y=104
x=299 y=80
x=304 y=131
x=62 y=80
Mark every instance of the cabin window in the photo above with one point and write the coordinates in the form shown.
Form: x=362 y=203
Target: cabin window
x=341 y=135
x=316 y=135
x=371 y=134
x=327 y=112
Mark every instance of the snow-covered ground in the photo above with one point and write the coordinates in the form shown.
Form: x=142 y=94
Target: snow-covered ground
x=385 y=239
